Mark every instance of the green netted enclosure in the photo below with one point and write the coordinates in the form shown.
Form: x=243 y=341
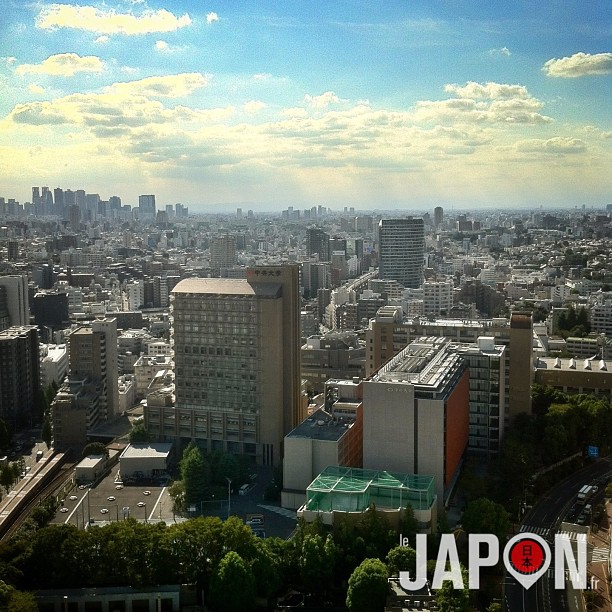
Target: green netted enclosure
x=348 y=489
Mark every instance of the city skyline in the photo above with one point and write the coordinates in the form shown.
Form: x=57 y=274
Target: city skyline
x=405 y=106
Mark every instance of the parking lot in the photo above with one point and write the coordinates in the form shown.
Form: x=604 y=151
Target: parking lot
x=109 y=501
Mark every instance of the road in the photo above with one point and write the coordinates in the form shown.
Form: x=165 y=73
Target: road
x=543 y=519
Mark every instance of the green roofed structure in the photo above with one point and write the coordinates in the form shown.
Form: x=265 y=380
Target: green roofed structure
x=351 y=491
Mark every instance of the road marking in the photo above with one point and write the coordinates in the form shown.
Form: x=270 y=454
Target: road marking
x=76 y=507
x=600 y=553
x=157 y=502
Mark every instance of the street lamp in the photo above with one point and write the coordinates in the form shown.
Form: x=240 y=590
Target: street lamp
x=229 y=492
x=145 y=512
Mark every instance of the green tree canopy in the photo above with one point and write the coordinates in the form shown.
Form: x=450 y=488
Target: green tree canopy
x=316 y=563
x=232 y=587
x=95 y=448
x=401 y=559
x=485 y=516
x=195 y=474
x=138 y=434
x=368 y=587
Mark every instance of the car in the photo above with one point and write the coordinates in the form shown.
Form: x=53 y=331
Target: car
x=63 y=509
x=104 y=510
x=141 y=504
x=111 y=498
x=119 y=487
x=73 y=498
x=146 y=492
x=82 y=486
x=255 y=521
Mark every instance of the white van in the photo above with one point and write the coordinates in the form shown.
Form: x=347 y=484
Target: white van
x=244 y=489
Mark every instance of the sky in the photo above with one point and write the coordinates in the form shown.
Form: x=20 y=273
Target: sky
x=377 y=105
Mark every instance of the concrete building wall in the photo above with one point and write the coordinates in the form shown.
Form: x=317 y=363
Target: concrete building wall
x=389 y=427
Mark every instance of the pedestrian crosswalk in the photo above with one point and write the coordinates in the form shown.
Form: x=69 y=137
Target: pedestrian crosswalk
x=541 y=531
x=600 y=553
x=282 y=511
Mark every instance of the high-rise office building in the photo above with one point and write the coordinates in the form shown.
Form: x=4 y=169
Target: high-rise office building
x=146 y=206
x=17 y=300
x=402 y=250
x=317 y=243
x=93 y=355
x=19 y=375
x=438 y=216
x=237 y=358
x=223 y=252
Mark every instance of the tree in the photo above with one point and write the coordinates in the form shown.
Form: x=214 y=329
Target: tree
x=95 y=448
x=450 y=599
x=177 y=493
x=409 y=525
x=232 y=587
x=46 y=431
x=5 y=434
x=368 y=587
x=139 y=434
x=401 y=559
x=485 y=516
x=316 y=564
x=195 y=474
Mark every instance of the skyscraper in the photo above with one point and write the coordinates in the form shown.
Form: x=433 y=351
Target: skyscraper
x=317 y=243
x=19 y=374
x=237 y=377
x=402 y=250
x=146 y=206
x=93 y=354
x=438 y=216
x=17 y=300
x=223 y=252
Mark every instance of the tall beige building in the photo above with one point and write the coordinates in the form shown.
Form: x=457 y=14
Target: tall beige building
x=237 y=362
x=93 y=354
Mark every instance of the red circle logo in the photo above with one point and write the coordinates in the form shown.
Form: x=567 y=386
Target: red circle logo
x=527 y=556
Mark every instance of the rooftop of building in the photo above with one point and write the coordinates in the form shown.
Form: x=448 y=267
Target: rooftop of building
x=90 y=461
x=573 y=364
x=150 y=450
x=354 y=489
x=424 y=362
x=321 y=425
x=227 y=286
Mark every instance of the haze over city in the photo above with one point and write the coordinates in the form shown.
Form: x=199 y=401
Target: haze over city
x=272 y=104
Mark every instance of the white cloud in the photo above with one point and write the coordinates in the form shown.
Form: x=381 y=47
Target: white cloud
x=579 y=65
x=161 y=45
x=552 y=146
x=63 y=64
x=503 y=51
x=170 y=86
x=109 y=21
x=212 y=17
x=252 y=107
x=322 y=101
x=492 y=91
x=102 y=40
x=36 y=89
x=482 y=103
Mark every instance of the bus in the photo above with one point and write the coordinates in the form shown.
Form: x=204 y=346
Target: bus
x=585 y=493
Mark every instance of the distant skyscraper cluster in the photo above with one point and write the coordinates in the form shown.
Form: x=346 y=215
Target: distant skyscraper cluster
x=78 y=207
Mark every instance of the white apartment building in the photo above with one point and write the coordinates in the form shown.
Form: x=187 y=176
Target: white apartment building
x=437 y=297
